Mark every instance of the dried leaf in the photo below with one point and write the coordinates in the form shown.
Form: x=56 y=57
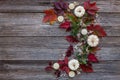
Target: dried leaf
x=91 y=8
x=97 y=29
x=71 y=39
x=69 y=51
x=50 y=16
x=92 y=58
x=65 y=25
x=86 y=68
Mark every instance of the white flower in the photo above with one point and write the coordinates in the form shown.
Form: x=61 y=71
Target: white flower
x=60 y=18
x=73 y=64
x=78 y=72
x=84 y=31
x=93 y=40
x=76 y=3
x=71 y=74
x=77 y=48
x=56 y=66
x=82 y=23
x=71 y=6
x=78 y=35
x=79 y=11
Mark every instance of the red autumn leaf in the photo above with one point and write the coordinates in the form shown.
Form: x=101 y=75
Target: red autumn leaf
x=65 y=25
x=57 y=73
x=69 y=51
x=50 y=16
x=91 y=8
x=66 y=60
x=92 y=58
x=66 y=69
x=64 y=64
x=71 y=39
x=86 y=68
x=97 y=29
x=48 y=68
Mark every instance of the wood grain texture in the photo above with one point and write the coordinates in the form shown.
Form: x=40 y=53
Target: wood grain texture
x=49 y=48
x=30 y=24
x=40 y=5
x=29 y=70
x=27 y=44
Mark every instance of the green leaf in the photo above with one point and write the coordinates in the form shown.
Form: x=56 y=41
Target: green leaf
x=82 y=58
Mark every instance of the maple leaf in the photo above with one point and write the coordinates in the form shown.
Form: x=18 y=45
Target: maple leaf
x=92 y=58
x=49 y=68
x=50 y=16
x=60 y=7
x=57 y=72
x=69 y=51
x=97 y=29
x=91 y=8
x=65 y=25
x=86 y=67
x=64 y=65
x=71 y=39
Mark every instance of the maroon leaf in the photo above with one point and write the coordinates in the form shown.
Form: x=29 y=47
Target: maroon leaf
x=48 y=68
x=97 y=29
x=69 y=51
x=65 y=25
x=66 y=69
x=92 y=58
x=60 y=7
x=57 y=73
x=86 y=68
x=71 y=39
x=63 y=64
x=90 y=8
x=50 y=63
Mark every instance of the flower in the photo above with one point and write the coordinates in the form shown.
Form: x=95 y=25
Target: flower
x=79 y=11
x=78 y=72
x=60 y=7
x=76 y=3
x=71 y=6
x=56 y=66
x=77 y=48
x=71 y=74
x=93 y=40
x=60 y=18
x=73 y=64
x=84 y=31
x=78 y=35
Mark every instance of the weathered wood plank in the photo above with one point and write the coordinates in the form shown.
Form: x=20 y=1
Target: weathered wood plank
x=37 y=76
x=15 y=53
x=30 y=24
x=49 y=42
x=48 y=48
x=40 y=5
x=27 y=70
x=37 y=2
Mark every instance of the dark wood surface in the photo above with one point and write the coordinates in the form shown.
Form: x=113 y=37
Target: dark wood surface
x=27 y=44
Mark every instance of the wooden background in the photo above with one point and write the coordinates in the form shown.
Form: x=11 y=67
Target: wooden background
x=27 y=44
